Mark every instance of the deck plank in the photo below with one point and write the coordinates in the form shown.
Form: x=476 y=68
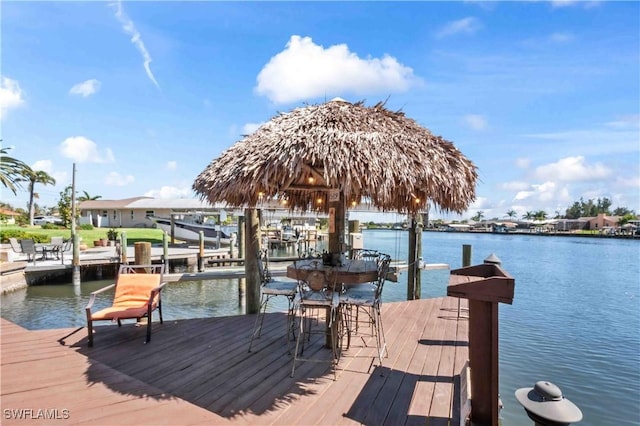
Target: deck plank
x=199 y=371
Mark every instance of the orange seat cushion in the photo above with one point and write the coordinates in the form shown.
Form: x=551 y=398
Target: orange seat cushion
x=131 y=297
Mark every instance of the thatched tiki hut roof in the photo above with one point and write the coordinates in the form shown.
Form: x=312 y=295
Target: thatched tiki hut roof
x=370 y=154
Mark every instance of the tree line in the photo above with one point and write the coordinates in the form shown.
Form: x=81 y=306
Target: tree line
x=578 y=209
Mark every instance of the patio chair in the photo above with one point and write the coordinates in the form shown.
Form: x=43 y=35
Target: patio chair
x=56 y=245
x=316 y=292
x=67 y=247
x=367 y=298
x=15 y=245
x=269 y=289
x=28 y=247
x=137 y=293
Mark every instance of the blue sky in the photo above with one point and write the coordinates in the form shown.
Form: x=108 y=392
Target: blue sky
x=544 y=97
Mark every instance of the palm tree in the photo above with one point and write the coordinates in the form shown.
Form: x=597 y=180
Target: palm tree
x=540 y=215
x=34 y=177
x=479 y=216
x=11 y=171
x=511 y=214
x=528 y=215
x=86 y=197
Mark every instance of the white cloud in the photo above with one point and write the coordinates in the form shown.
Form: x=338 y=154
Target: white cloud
x=42 y=165
x=468 y=25
x=515 y=186
x=632 y=182
x=475 y=121
x=563 y=3
x=616 y=137
x=523 y=162
x=86 y=88
x=560 y=38
x=10 y=96
x=172 y=165
x=631 y=121
x=548 y=192
x=170 y=192
x=84 y=150
x=116 y=179
x=249 y=128
x=556 y=4
x=129 y=27
x=306 y=70
x=480 y=203
x=572 y=169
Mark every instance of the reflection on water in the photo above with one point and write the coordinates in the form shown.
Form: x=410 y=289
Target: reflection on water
x=62 y=305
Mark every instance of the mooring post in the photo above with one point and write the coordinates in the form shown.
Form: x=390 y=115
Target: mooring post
x=466 y=261
x=165 y=250
x=142 y=251
x=123 y=253
x=201 y=251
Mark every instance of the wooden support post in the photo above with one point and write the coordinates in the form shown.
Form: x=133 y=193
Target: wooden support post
x=142 y=252
x=165 y=250
x=418 y=273
x=252 y=273
x=336 y=239
x=173 y=230
x=485 y=286
x=201 y=251
x=483 y=360
x=241 y=240
x=414 y=254
x=466 y=255
x=466 y=261
x=124 y=259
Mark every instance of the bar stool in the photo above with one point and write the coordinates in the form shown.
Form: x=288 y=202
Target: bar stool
x=270 y=288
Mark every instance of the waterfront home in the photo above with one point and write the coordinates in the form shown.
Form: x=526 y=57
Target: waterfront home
x=136 y=212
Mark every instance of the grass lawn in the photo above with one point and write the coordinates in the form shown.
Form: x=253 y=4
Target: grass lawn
x=154 y=236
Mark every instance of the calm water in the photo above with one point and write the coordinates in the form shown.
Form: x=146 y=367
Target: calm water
x=575 y=319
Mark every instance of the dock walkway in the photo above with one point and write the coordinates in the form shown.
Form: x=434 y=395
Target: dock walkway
x=198 y=371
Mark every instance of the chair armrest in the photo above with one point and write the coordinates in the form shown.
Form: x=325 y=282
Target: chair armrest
x=155 y=292
x=92 y=297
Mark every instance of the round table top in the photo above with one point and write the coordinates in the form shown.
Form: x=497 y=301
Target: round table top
x=356 y=271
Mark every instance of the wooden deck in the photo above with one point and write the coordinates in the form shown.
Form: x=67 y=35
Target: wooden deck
x=198 y=371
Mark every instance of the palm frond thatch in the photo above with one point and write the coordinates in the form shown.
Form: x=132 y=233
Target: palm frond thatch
x=371 y=154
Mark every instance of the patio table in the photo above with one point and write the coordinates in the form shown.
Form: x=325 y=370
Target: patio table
x=351 y=272
x=48 y=249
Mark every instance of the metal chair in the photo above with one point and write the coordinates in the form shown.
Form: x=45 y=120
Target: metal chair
x=316 y=292
x=67 y=247
x=367 y=298
x=270 y=288
x=56 y=246
x=28 y=247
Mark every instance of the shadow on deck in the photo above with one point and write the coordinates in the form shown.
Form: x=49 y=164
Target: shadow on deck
x=206 y=363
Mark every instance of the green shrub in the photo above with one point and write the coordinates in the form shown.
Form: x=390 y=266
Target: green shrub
x=86 y=227
x=19 y=234
x=51 y=226
x=112 y=234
